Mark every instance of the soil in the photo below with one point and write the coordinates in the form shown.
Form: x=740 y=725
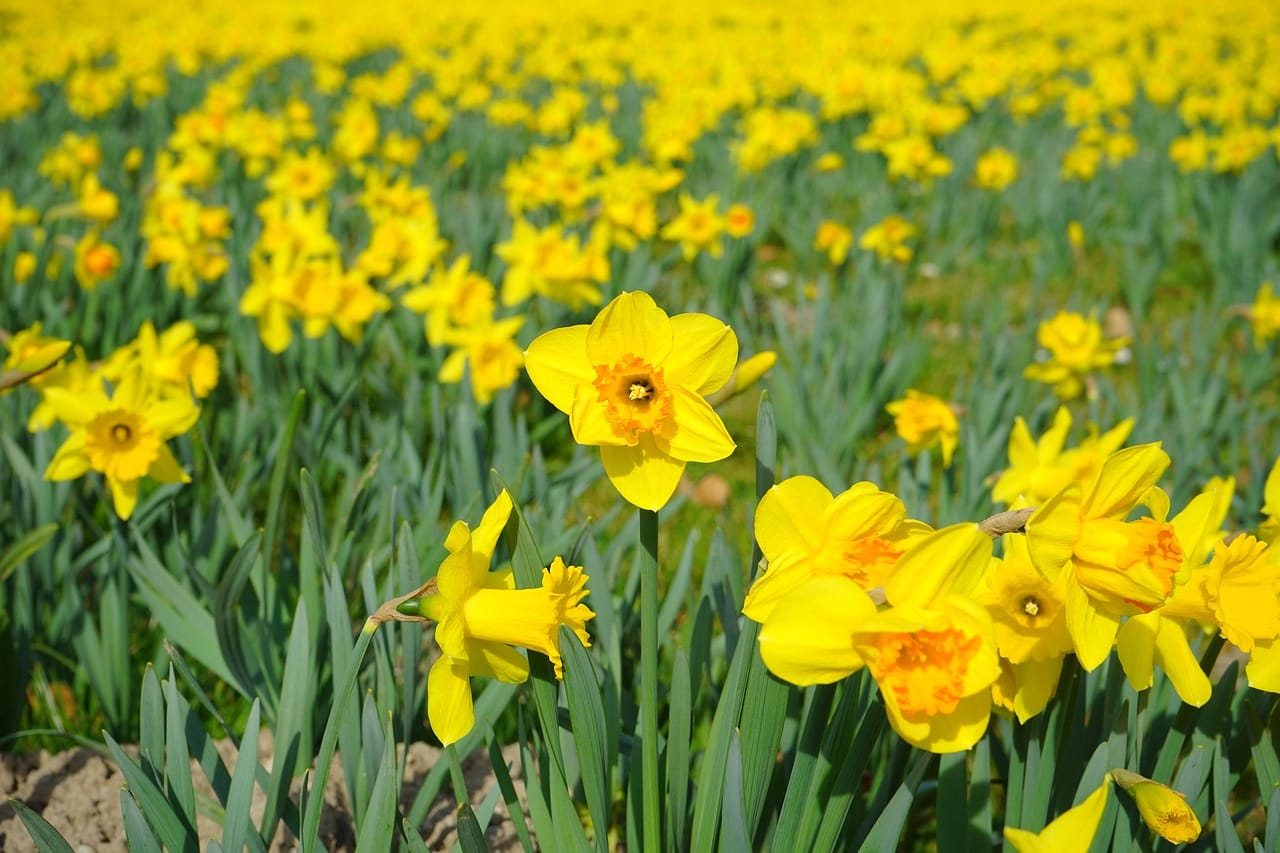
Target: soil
x=78 y=792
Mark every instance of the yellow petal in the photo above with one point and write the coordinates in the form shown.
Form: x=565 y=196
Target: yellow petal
x=807 y=639
x=954 y=732
x=630 y=325
x=790 y=516
x=785 y=573
x=1023 y=452
x=860 y=512
x=1071 y=832
x=1123 y=480
x=557 y=364
x=704 y=353
x=1093 y=631
x=124 y=496
x=643 y=475
x=1175 y=657
x=1052 y=531
x=449 y=708
x=173 y=417
x=1136 y=648
x=1036 y=681
x=700 y=435
x=952 y=560
x=70 y=461
x=1263 y=668
x=165 y=468
x=485 y=537
x=497 y=660
x=589 y=420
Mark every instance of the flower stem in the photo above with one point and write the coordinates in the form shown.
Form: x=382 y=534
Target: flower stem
x=651 y=788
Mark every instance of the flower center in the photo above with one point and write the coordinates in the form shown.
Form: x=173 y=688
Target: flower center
x=121 y=444
x=1155 y=544
x=635 y=396
x=869 y=560
x=925 y=671
x=1031 y=607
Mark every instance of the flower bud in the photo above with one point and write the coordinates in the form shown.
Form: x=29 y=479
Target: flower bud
x=1162 y=808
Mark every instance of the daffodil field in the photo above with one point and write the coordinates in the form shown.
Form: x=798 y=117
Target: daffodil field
x=791 y=426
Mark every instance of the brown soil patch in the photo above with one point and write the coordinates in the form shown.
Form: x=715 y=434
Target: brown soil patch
x=78 y=792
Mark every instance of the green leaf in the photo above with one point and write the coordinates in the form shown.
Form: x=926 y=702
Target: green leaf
x=174 y=830
x=679 y=735
x=136 y=831
x=239 y=823
x=888 y=828
x=514 y=808
x=379 y=824
x=953 y=803
x=809 y=770
x=733 y=820
x=46 y=838
x=23 y=547
x=292 y=736
x=177 y=761
x=283 y=453
x=586 y=713
x=470 y=835
x=151 y=739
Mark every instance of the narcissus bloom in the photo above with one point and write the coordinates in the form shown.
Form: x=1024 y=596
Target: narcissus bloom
x=1163 y=809
x=923 y=420
x=1264 y=315
x=1073 y=348
x=996 y=169
x=1116 y=568
x=1039 y=468
x=697 y=227
x=834 y=239
x=1070 y=832
x=30 y=352
x=480 y=616
x=633 y=383
x=932 y=652
x=888 y=239
x=806 y=533
x=122 y=437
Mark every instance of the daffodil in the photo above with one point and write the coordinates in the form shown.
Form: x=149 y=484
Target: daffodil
x=1163 y=809
x=923 y=420
x=122 y=436
x=697 y=227
x=1070 y=832
x=834 y=239
x=805 y=533
x=488 y=350
x=932 y=652
x=1072 y=348
x=633 y=383
x=480 y=616
x=1159 y=637
x=1039 y=468
x=1115 y=568
x=1264 y=315
x=30 y=355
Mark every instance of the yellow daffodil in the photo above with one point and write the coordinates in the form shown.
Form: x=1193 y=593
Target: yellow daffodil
x=456 y=298
x=932 y=652
x=95 y=261
x=1264 y=315
x=487 y=349
x=633 y=383
x=1116 y=568
x=1163 y=809
x=697 y=227
x=996 y=169
x=1073 y=348
x=1070 y=832
x=834 y=239
x=739 y=221
x=174 y=362
x=806 y=533
x=32 y=353
x=923 y=420
x=888 y=239
x=121 y=436
x=480 y=616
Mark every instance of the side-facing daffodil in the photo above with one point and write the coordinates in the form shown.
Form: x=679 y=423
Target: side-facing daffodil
x=923 y=420
x=30 y=355
x=634 y=383
x=1070 y=832
x=122 y=436
x=480 y=616
x=1116 y=568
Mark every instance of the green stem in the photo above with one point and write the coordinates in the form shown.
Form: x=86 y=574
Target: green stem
x=456 y=777
x=651 y=789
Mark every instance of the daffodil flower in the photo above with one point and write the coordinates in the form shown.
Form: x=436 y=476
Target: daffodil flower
x=122 y=436
x=633 y=383
x=1159 y=637
x=1269 y=530
x=1115 y=568
x=480 y=616
x=1163 y=809
x=932 y=652
x=1070 y=832
x=805 y=533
